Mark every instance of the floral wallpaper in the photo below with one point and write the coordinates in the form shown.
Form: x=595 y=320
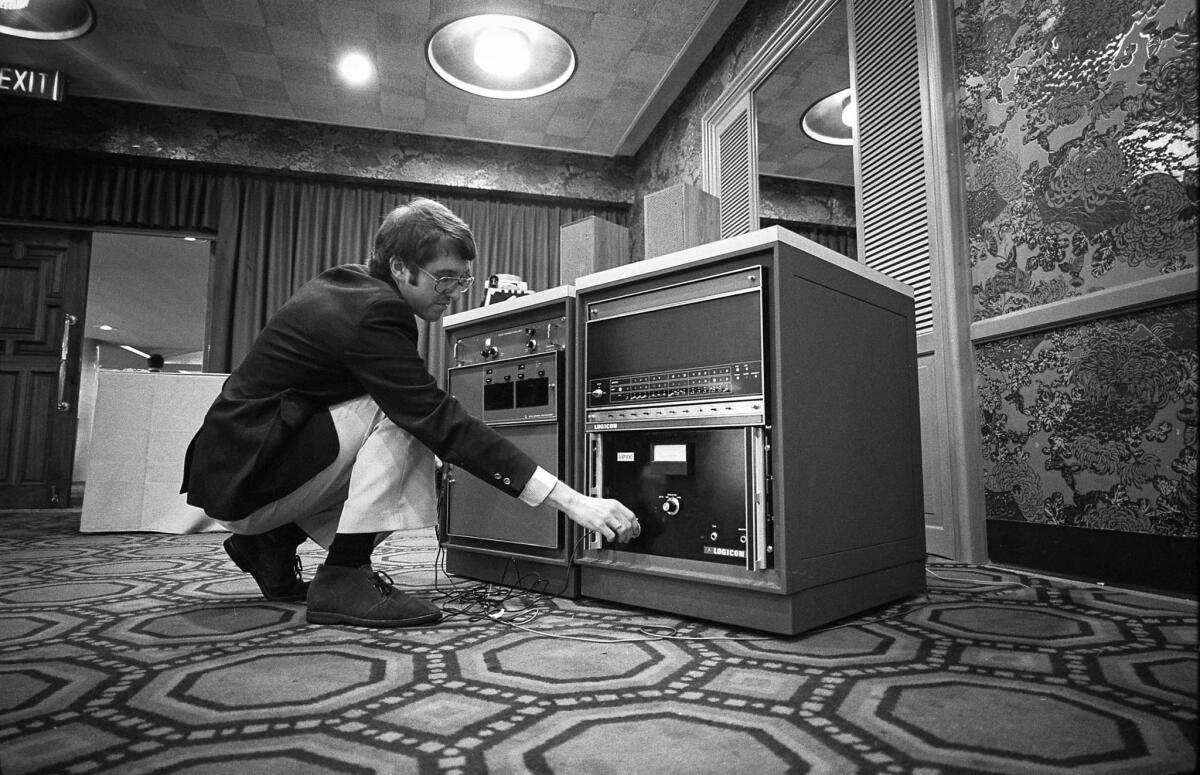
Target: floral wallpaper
x=1079 y=123
x=1094 y=425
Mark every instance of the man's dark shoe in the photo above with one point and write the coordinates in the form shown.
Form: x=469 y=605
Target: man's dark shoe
x=364 y=597
x=275 y=567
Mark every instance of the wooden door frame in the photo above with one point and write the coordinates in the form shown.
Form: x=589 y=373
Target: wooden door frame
x=950 y=272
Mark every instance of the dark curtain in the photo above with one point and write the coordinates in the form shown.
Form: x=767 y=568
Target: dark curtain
x=277 y=233
x=843 y=239
x=274 y=235
x=133 y=194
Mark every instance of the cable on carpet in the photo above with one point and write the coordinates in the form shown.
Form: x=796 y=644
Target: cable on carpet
x=482 y=601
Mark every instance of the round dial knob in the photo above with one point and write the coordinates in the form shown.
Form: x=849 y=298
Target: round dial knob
x=489 y=351
x=598 y=393
x=531 y=345
x=670 y=505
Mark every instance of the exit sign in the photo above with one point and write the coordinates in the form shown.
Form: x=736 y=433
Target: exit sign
x=31 y=82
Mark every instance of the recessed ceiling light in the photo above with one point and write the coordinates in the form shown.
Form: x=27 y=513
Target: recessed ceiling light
x=831 y=119
x=500 y=56
x=502 y=51
x=107 y=327
x=355 y=68
x=46 y=19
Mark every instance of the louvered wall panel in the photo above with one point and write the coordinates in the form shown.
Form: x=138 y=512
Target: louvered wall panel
x=734 y=173
x=894 y=218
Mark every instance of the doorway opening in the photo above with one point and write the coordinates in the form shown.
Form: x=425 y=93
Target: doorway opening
x=147 y=308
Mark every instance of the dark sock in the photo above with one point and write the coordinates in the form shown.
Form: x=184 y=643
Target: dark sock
x=289 y=535
x=351 y=550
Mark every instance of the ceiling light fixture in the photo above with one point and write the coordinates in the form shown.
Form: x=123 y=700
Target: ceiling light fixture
x=832 y=119
x=500 y=56
x=46 y=19
x=502 y=51
x=355 y=68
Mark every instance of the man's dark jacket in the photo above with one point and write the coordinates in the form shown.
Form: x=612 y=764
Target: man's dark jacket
x=342 y=335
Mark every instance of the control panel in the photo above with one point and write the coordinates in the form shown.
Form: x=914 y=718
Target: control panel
x=545 y=336
x=735 y=380
x=512 y=390
x=698 y=493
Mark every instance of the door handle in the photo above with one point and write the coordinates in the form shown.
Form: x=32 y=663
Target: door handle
x=64 y=361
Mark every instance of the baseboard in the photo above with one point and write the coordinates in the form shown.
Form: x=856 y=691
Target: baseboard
x=1165 y=564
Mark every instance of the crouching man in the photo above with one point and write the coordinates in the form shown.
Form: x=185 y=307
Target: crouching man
x=328 y=430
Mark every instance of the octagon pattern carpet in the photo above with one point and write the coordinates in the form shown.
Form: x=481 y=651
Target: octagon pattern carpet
x=148 y=653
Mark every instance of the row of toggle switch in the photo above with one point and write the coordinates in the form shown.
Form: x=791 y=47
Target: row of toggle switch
x=676 y=412
x=701 y=390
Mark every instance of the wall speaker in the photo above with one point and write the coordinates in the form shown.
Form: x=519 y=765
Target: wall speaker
x=590 y=245
x=679 y=217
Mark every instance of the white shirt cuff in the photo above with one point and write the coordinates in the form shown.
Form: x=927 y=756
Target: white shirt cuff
x=538 y=487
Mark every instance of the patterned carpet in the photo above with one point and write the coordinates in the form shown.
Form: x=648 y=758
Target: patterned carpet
x=149 y=653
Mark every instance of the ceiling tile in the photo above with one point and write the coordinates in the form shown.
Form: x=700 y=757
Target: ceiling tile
x=622 y=28
x=446 y=127
x=568 y=126
x=402 y=106
x=194 y=32
x=292 y=14
x=210 y=83
x=445 y=109
x=173 y=8
x=254 y=64
x=305 y=71
x=243 y=37
x=310 y=99
x=172 y=77
x=233 y=11
x=209 y=58
x=299 y=44
x=261 y=89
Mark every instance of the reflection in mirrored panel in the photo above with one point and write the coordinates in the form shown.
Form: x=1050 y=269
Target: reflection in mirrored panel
x=805 y=185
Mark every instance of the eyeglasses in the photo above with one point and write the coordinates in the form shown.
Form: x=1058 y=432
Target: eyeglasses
x=448 y=285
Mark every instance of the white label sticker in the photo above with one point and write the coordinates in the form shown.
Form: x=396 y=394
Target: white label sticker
x=625 y=457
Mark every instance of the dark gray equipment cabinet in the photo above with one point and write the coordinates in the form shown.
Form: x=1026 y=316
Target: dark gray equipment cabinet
x=511 y=364
x=754 y=401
